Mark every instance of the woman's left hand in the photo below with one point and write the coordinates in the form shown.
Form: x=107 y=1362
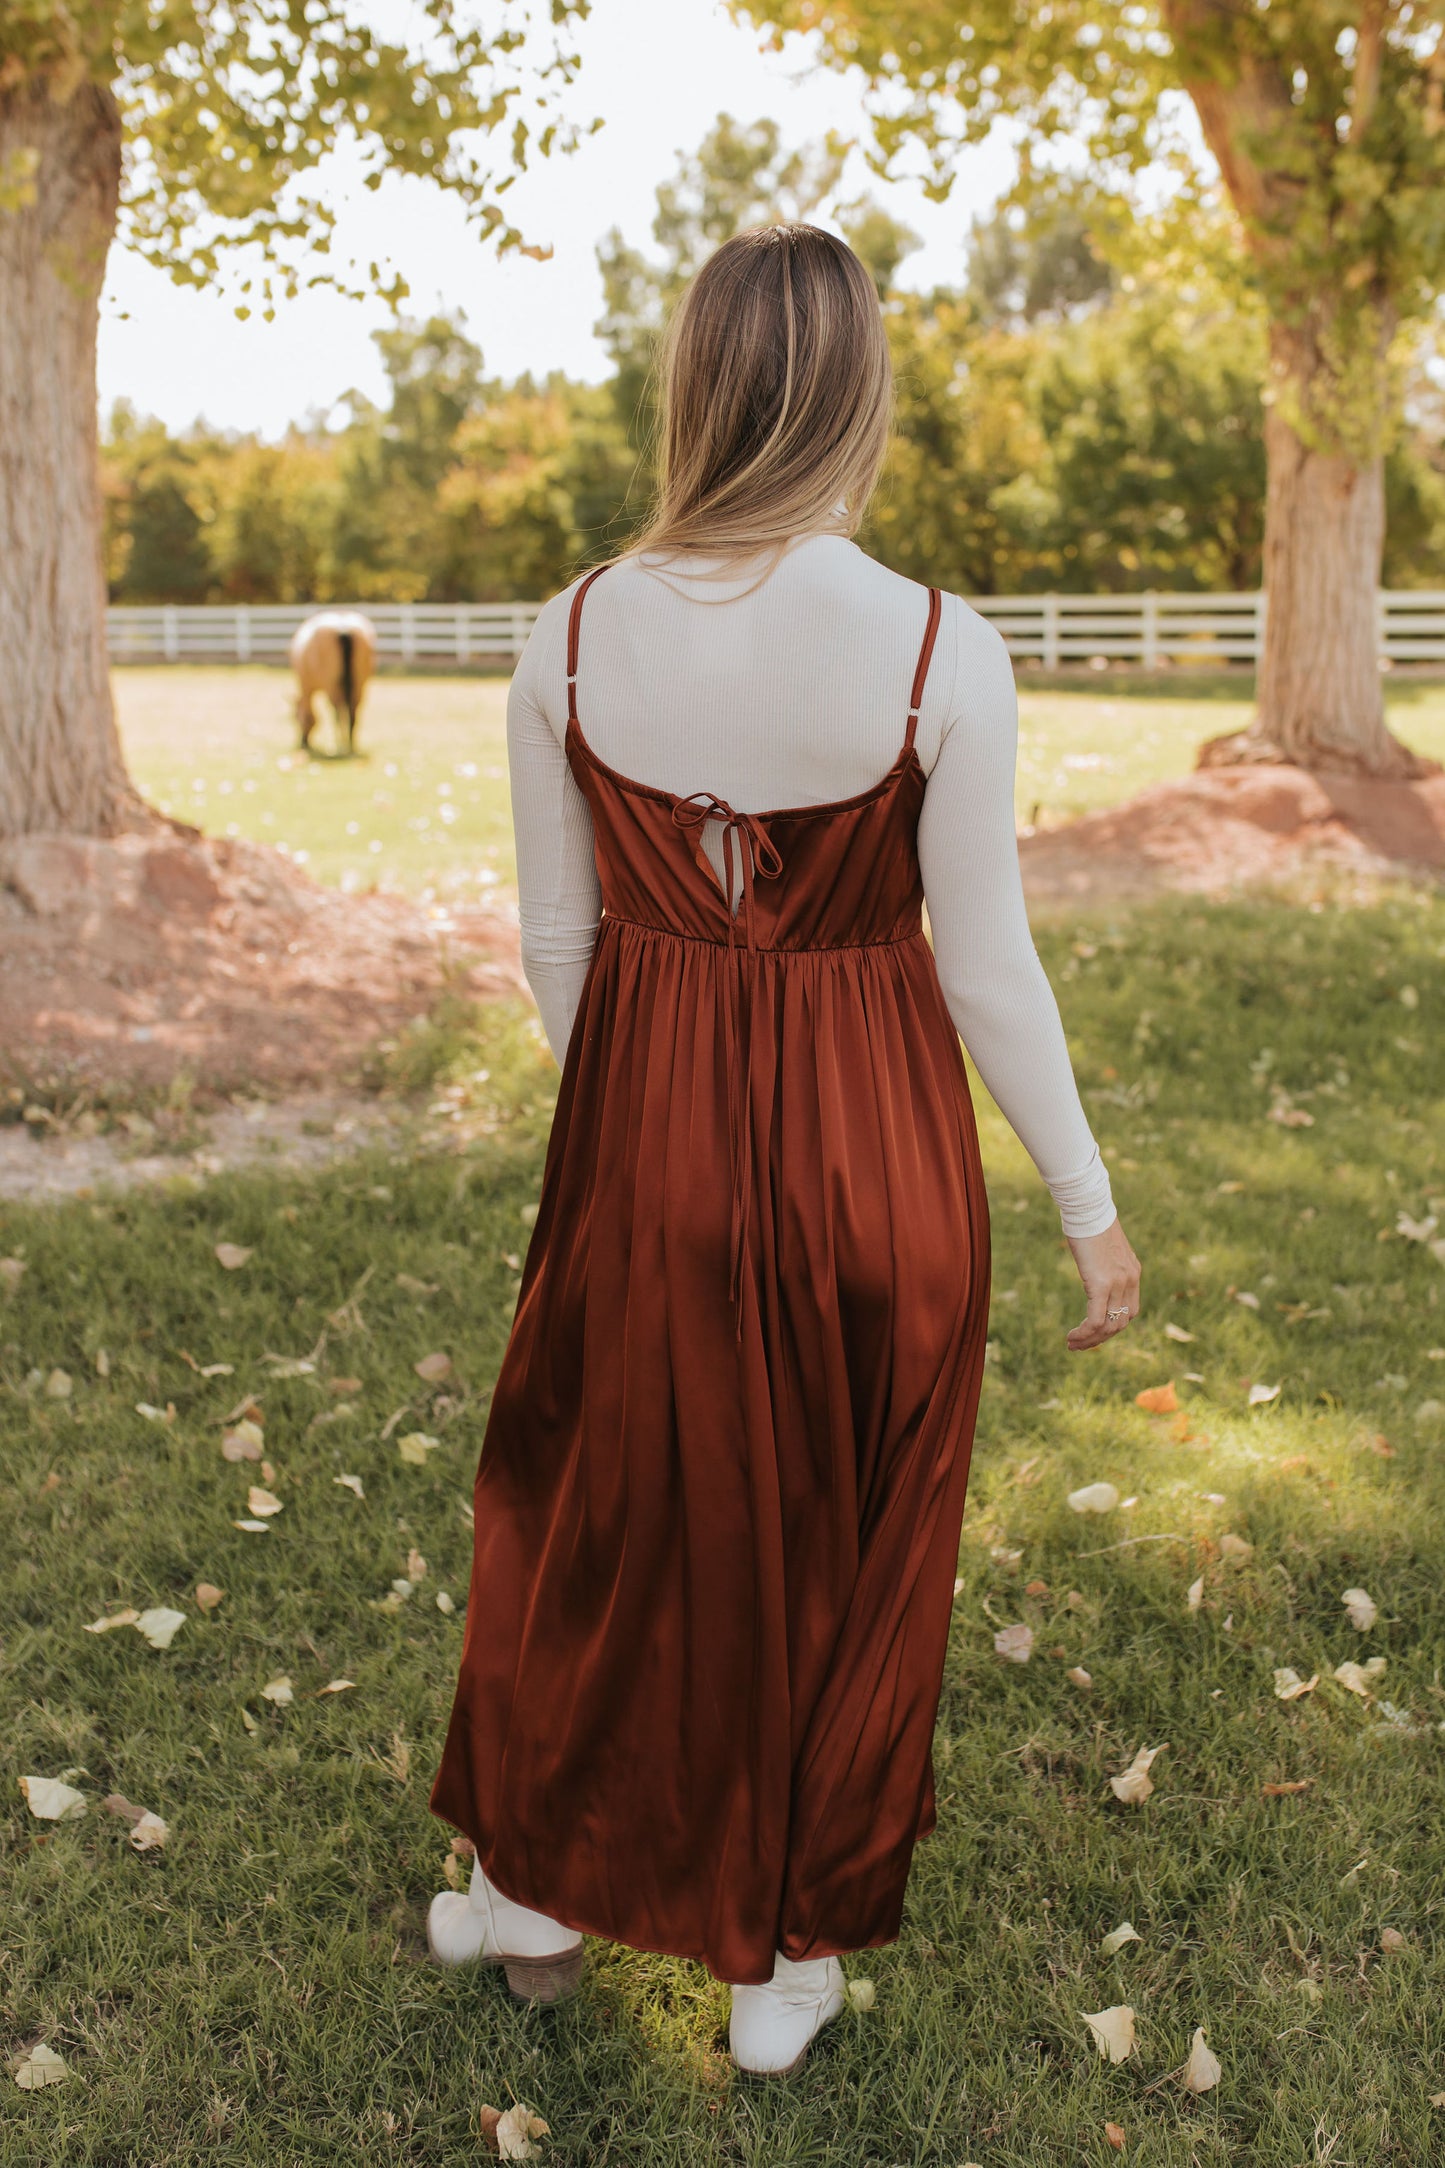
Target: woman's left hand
x=1110 y=1272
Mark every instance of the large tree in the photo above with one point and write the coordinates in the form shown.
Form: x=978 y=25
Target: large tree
x=1326 y=121
x=198 y=125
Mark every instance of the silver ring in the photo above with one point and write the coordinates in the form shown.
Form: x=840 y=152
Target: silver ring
x=1112 y=1315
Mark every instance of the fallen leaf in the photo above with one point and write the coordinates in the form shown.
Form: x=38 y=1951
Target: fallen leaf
x=1177 y=1332
x=160 y=1627
x=1437 y=2100
x=1415 y=1230
x=510 y=2133
x=862 y=1994
x=1311 y=1990
x=415 y=1446
x=1286 y=1791
x=1359 y=1609
x=58 y=1386
x=1015 y=1644
x=117 y=1803
x=249 y=1721
x=1358 y=1678
x=102 y=1363
x=351 y=1483
x=1113 y=1943
x=1232 y=1546
x=254 y=1528
x=444 y=1602
x=415 y=1566
x=40 y=2067
x=281 y=1691
x=244 y=1442
x=433 y=1368
x=149 y=1834
x=1135 y=1784
x=1203 y=2070
x=411 y=1286
x=1288 y=1685
x=337 y=1686
x=263 y=1503
x=245 y=1411
x=1036 y=1588
x=51 y=1801
x=1113 y=2031
x=117 y=1618
x=1158 y=1399
x=167 y=1414
x=231 y=1257
x=208 y=1595
x=1392 y=1941
x=205 y=1370
x=1078 y=1676
x=1260 y=1394
x=1116 y=2136
x=1094 y=1498
x=1194 y=1594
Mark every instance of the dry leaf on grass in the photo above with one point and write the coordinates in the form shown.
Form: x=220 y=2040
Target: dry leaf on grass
x=337 y=1686
x=1116 y=2136
x=244 y=1442
x=1360 y=1609
x=1232 y=1546
x=1094 y=1498
x=1194 y=1595
x=40 y=2067
x=415 y=1566
x=254 y=1528
x=281 y=1691
x=1392 y=1941
x=509 y=2133
x=1289 y=1686
x=1159 y=1399
x=160 y=1626
x=1015 y=1643
x=117 y=1618
x=1203 y=2070
x=208 y=1595
x=862 y=1994
x=1078 y=1676
x=1135 y=1784
x=1113 y=1943
x=167 y=1414
x=351 y=1483
x=1177 y=1332
x=51 y=1801
x=1113 y=2031
x=433 y=1368
x=1286 y=1791
x=149 y=1833
x=415 y=1446
x=1359 y=1678
x=263 y=1503
x=1260 y=1395
x=444 y=1602
x=231 y=1256
x=59 y=1385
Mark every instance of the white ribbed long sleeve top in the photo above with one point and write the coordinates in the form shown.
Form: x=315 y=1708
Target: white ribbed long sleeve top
x=792 y=689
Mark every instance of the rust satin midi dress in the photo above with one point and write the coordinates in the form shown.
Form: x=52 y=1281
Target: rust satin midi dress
x=720 y=1491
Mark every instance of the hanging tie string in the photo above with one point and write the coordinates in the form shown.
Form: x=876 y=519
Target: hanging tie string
x=758 y=854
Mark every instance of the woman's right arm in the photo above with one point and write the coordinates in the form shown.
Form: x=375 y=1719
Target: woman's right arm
x=993 y=982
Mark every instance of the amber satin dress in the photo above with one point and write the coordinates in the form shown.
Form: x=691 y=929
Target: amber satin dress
x=719 y=1496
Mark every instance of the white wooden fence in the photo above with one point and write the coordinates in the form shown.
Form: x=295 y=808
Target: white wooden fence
x=1057 y=631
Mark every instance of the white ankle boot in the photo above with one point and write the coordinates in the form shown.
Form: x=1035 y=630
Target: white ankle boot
x=543 y=1960
x=774 y=2026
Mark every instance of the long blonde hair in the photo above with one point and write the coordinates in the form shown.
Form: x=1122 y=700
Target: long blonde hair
x=776 y=397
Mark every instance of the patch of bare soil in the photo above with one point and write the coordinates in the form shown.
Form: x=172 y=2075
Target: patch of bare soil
x=1229 y=828
x=125 y=962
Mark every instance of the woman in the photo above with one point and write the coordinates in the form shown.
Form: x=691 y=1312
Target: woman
x=719 y=1498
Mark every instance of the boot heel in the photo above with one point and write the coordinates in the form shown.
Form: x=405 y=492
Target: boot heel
x=545 y=1979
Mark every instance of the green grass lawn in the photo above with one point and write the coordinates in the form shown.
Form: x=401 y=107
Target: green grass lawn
x=257 y=1993
x=426 y=807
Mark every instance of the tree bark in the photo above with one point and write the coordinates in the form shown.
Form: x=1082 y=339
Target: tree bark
x=60 y=758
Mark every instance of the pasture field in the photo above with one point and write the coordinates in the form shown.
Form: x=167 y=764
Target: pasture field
x=256 y=1995
x=426 y=808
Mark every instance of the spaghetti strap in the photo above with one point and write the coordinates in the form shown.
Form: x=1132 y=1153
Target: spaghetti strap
x=574 y=635
x=925 y=656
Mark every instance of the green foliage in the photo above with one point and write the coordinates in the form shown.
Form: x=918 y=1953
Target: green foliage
x=231 y=108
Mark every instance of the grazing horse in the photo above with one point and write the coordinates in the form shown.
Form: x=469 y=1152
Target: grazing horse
x=332 y=653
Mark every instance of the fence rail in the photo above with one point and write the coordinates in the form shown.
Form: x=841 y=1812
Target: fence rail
x=1057 y=631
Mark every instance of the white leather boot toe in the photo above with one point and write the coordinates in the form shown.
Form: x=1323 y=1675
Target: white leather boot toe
x=543 y=1959
x=774 y=2026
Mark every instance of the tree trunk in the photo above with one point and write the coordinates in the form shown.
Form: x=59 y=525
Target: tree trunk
x=60 y=759
x=1319 y=694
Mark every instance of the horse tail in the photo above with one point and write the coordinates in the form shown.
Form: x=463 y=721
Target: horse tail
x=348 y=680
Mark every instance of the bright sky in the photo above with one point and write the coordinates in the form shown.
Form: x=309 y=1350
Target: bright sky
x=659 y=72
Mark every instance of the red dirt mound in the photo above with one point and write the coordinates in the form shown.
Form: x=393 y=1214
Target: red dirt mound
x=128 y=960
x=1230 y=827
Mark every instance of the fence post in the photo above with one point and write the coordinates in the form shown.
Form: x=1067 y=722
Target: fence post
x=1051 y=632
x=170 y=632
x=408 y=633
x=462 y=632
x=243 y=633
x=1150 y=630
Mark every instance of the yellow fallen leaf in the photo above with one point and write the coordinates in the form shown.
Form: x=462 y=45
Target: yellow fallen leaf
x=263 y=1503
x=1015 y=1644
x=1135 y=1784
x=1113 y=2031
x=1359 y=1678
x=231 y=1256
x=1113 y=1943
x=444 y=1602
x=415 y=1446
x=254 y=1528
x=1360 y=1609
x=58 y=1385
x=208 y=1595
x=1078 y=1676
x=1116 y=2135
x=415 y=1566
x=1203 y=2070
x=40 y=2067
x=244 y=1442
x=249 y=1721
x=1286 y=1790
x=1289 y=1686
x=337 y=1686
x=1232 y=1546
x=117 y=1618
x=433 y=1368
x=862 y=1994
x=1094 y=1498
x=167 y=1414
x=351 y=1483
x=281 y=1691
x=1391 y=1941
x=148 y=1833
x=1177 y=1332
x=1158 y=1399
x=1194 y=1594
x=51 y=1801
x=510 y=2133
x=160 y=1626
x=1261 y=1395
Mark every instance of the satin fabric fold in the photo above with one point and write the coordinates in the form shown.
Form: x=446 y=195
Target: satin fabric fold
x=720 y=1492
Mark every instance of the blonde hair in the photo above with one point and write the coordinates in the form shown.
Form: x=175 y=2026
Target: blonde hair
x=776 y=397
